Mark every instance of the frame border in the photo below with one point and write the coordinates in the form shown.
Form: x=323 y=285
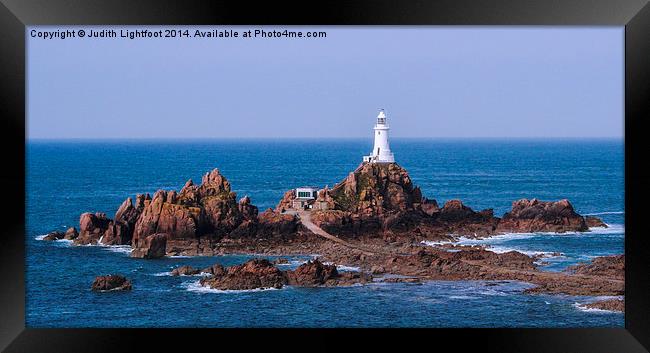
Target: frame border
x=15 y=15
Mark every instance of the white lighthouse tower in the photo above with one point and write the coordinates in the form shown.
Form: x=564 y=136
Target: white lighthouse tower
x=381 y=151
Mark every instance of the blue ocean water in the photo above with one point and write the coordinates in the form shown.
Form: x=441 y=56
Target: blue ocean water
x=66 y=178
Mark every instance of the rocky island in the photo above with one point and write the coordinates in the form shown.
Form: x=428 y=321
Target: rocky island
x=375 y=220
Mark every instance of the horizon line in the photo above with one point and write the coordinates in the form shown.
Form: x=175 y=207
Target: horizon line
x=27 y=139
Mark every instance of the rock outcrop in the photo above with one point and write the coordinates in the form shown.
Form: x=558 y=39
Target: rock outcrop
x=120 y=230
x=315 y=274
x=152 y=247
x=460 y=219
x=287 y=201
x=262 y=274
x=541 y=216
x=595 y=222
x=375 y=189
x=609 y=304
x=605 y=266
x=312 y=273
x=380 y=197
x=375 y=200
x=111 y=283
x=56 y=235
x=271 y=223
x=71 y=233
x=185 y=271
x=92 y=227
x=254 y=274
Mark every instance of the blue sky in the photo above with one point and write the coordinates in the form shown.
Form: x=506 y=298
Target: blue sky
x=433 y=81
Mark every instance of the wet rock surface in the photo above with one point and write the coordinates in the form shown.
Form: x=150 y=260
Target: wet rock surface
x=610 y=304
x=605 y=266
x=262 y=274
x=56 y=235
x=185 y=271
x=254 y=274
x=111 y=283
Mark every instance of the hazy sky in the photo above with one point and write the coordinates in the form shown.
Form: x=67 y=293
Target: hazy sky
x=433 y=82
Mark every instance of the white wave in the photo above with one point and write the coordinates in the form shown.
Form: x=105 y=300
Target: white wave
x=544 y=254
x=463 y=297
x=197 y=287
x=122 y=249
x=179 y=257
x=161 y=274
x=585 y=309
x=437 y=242
x=66 y=242
x=610 y=229
x=343 y=267
x=602 y=213
x=499 y=238
x=292 y=263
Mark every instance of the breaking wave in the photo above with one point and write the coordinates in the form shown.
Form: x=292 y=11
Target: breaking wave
x=585 y=309
x=343 y=267
x=603 y=213
x=198 y=288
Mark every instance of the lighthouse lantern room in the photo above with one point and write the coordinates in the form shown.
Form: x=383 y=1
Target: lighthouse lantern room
x=381 y=151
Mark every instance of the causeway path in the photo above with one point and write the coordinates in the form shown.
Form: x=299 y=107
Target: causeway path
x=305 y=219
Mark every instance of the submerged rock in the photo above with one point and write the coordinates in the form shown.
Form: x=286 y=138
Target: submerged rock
x=111 y=283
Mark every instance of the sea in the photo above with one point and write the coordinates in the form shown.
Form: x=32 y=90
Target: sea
x=65 y=178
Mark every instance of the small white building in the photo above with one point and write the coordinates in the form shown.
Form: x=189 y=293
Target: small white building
x=381 y=151
x=305 y=197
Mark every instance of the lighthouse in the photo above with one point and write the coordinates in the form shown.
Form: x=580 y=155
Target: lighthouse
x=381 y=151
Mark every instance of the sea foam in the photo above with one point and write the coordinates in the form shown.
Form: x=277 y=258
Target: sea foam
x=196 y=286
x=585 y=309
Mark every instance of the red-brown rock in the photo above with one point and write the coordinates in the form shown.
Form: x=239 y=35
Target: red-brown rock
x=286 y=202
x=185 y=270
x=541 y=216
x=111 y=283
x=606 y=266
x=312 y=273
x=254 y=274
x=91 y=227
x=609 y=304
x=151 y=247
x=71 y=233
x=593 y=222
x=56 y=235
x=273 y=224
